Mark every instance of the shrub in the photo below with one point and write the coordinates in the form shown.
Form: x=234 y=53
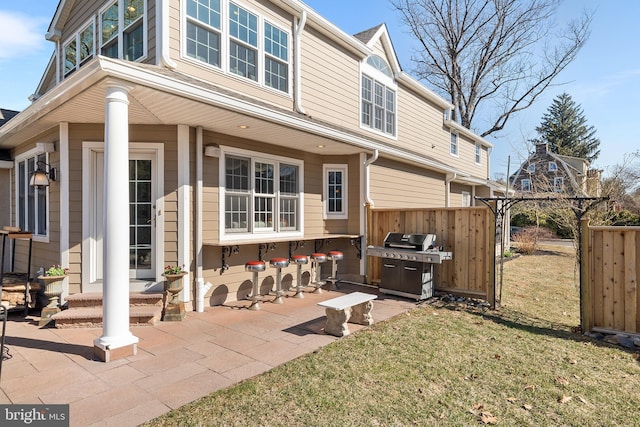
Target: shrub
x=526 y=240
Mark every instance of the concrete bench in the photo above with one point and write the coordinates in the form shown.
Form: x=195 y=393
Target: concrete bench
x=354 y=307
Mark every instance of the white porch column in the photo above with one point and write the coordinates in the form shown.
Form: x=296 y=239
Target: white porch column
x=116 y=341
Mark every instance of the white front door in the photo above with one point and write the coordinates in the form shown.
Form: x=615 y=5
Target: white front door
x=144 y=211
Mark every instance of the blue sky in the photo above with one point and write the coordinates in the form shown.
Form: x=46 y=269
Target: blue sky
x=604 y=79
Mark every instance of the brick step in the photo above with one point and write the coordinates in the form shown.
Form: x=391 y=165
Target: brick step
x=91 y=317
x=94 y=299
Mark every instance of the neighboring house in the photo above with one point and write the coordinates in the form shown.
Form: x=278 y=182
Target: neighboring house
x=201 y=133
x=547 y=172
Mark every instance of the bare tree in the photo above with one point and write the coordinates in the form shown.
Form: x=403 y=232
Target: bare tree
x=506 y=52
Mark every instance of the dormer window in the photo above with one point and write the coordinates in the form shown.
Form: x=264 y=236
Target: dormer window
x=123 y=30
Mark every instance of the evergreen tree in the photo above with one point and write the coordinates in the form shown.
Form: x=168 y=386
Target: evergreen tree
x=564 y=128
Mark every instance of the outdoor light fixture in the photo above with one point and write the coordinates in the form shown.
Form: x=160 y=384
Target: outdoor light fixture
x=40 y=177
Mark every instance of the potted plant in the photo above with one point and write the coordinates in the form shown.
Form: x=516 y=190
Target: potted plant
x=52 y=279
x=173 y=285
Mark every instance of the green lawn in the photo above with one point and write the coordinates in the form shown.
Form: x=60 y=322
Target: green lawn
x=449 y=365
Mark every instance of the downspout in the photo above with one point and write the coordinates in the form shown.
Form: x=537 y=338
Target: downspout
x=298 y=27
x=447 y=183
x=162 y=36
x=201 y=287
x=368 y=205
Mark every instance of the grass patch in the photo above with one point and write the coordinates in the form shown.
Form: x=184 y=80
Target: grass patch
x=449 y=365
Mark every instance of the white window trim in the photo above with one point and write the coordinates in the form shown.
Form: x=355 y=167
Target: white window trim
x=326 y=168
x=478 y=154
x=257 y=235
x=531 y=168
x=44 y=238
x=522 y=185
x=457 y=144
x=145 y=47
x=224 y=48
x=389 y=83
x=555 y=167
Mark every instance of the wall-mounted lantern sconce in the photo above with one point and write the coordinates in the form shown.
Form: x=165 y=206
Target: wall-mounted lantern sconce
x=40 y=177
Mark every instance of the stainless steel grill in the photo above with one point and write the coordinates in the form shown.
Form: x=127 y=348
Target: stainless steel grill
x=407 y=264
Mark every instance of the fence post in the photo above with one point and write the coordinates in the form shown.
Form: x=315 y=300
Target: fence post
x=491 y=258
x=586 y=288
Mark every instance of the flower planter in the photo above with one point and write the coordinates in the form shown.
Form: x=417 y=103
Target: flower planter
x=174 y=310
x=53 y=290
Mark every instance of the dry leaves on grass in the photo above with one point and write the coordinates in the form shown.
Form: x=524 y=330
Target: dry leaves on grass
x=562 y=380
x=565 y=399
x=527 y=406
x=488 y=418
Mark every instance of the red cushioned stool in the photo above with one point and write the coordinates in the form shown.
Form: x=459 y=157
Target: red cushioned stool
x=299 y=260
x=255 y=267
x=279 y=263
x=316 y=260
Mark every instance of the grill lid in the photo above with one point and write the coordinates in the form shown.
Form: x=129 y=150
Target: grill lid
x=416 y=242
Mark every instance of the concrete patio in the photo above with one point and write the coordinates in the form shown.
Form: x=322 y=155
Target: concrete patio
x=176 y=363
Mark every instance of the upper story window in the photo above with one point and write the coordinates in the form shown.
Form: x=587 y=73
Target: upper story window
x=203 y=30
x=335 y=191
x=123 y=30
x=553 y=166
x=378 y=96
x=453 y=147
x=531 y=168
x=276 y=58
x=243 y=43
x=32 y=203
x=525 y=185
x=261 y=195
x=478 y=154
x=79 y=49
x=378 y=106
x=558 y=184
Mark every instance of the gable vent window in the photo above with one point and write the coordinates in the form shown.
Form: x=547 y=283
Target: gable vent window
x=123 y=30
x=553 y=166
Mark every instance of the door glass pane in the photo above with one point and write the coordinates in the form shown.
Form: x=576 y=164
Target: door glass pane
x=140 y=214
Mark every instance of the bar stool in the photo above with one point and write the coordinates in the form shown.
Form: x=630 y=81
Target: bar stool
x=316 y=260
x=255 y=267
x=334 y=256
x=299 y=260
x=279 y=263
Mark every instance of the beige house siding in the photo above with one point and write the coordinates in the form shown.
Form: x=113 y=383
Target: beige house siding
x=400 y=185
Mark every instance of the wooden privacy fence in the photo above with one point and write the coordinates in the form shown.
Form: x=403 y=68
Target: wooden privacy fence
x=610 y=258
x=469 y=233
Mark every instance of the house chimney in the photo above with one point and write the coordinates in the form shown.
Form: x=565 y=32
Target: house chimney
x=541 y=148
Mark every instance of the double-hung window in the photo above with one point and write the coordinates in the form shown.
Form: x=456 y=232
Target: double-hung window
x=203 y=31
x=335 y=191
x=478 y=154
x=378 y=96
x=525 y=185
x=79 y=49
x=243 y=42
x=261 y=195
x=123 y=30
x=31 y=203
x=276 y=58
x=453 y=146
x=558 y=184
x=378 y=106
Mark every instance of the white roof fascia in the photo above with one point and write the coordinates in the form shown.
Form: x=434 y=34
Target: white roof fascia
x=316 y=20
x=463 y=130
x=383 y=35
x=64 y=8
